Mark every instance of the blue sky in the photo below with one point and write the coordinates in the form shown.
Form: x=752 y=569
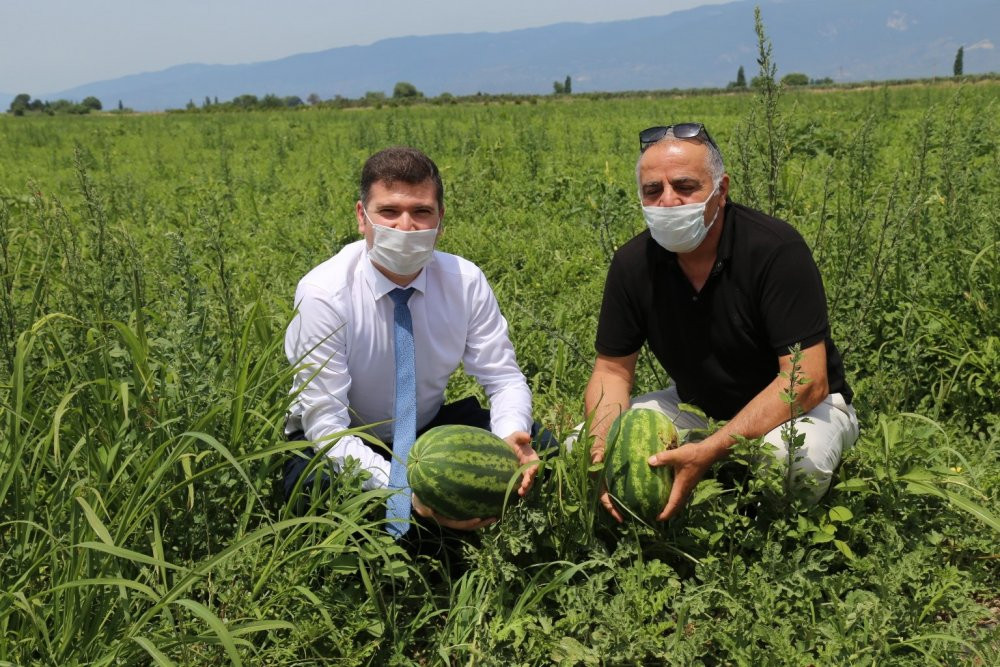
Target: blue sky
x=53 y=45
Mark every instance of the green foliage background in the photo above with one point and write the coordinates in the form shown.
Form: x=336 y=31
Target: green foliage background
x=147 y=267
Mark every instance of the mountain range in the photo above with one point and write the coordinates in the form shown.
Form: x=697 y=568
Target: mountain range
x=847 y=40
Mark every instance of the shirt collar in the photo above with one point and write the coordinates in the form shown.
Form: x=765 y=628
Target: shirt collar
x=380 y=285
x=725 y=250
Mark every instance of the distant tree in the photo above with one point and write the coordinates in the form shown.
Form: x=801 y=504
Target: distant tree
x=959 y=65
x=405 y=89
x=19 y=104
x=795 y=79
x=568 y=85
x=825 y=81
x=271 y=101
x=121 y=107
x=293 y=101
x=741 y=80
x=207 y=103
x=65 y=106
x=314 y=99
x=191 y=106
x=215 y=100
x=91 y=103
x=558 y=87
x=374 y=97
x=245 y=102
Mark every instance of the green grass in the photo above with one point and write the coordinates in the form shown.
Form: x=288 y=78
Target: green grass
x=147 y=267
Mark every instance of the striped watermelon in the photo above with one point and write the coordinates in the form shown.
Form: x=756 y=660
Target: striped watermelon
x=635 y=486
x=461 y=472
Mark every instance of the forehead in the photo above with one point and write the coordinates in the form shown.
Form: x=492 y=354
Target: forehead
x=671 y=160
x=401 y=191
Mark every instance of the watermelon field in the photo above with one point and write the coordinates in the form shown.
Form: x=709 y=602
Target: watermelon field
x=147 y=268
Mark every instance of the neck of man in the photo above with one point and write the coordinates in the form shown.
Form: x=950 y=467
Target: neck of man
x=399 y=279
x=697 y=264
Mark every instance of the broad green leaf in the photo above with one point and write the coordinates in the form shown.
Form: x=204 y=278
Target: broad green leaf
x=918 y=475
x=975 y=510
x=95 y=523
x=853 y=484
x=844 y=549
x=840 y=513
x=960 y=501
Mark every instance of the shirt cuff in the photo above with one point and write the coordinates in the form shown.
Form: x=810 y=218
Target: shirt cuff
x=354 y=447
x=379 y=475
x=507 y=425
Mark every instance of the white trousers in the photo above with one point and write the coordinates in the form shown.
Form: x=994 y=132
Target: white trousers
x=830 y=429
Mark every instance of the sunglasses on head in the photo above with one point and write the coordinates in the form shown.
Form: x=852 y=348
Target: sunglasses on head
x=651 y=135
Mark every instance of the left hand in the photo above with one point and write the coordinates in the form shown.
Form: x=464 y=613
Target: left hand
x=520 y=442
x=690 y=463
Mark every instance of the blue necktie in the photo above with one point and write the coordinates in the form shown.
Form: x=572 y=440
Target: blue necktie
x=404 y=430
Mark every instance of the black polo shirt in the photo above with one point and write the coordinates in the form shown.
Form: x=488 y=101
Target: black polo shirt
x=720 y=345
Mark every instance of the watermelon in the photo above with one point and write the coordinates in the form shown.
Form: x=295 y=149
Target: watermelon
x=634 y=485
x=461 y=472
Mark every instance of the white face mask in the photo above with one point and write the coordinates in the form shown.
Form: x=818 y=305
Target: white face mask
x=402 y=253
x=679 y=228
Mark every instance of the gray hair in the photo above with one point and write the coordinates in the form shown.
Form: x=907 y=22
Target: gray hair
x=714 y=163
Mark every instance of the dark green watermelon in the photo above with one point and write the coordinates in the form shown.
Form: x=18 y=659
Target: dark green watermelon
x=635 y=486
x=461 y=472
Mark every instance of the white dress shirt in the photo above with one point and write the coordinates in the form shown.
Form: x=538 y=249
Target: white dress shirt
x=342 y=342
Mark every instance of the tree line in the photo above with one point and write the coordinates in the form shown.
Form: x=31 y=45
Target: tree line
x=790 y=79
x=22 y=104
x=403 y=92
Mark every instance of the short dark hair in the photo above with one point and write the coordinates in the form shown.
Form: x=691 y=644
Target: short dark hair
x=400 y=163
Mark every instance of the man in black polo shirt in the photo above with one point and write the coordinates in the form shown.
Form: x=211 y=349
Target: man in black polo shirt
x=721 y=293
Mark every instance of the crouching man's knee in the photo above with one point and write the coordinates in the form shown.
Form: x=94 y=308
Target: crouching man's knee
x=829 y=430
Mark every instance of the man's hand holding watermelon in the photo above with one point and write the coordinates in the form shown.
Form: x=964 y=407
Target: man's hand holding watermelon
x=520 y=444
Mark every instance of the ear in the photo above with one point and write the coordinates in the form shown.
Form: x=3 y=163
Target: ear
x=440 y=224
x=724 y=189
x=359 y=213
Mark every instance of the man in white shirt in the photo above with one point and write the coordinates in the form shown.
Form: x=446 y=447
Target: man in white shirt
x=342 y=337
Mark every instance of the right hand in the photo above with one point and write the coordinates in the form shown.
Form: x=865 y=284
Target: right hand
x=455 y=524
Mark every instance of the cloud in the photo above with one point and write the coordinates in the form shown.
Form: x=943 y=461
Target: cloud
x=898 y=21
x=981 y=44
